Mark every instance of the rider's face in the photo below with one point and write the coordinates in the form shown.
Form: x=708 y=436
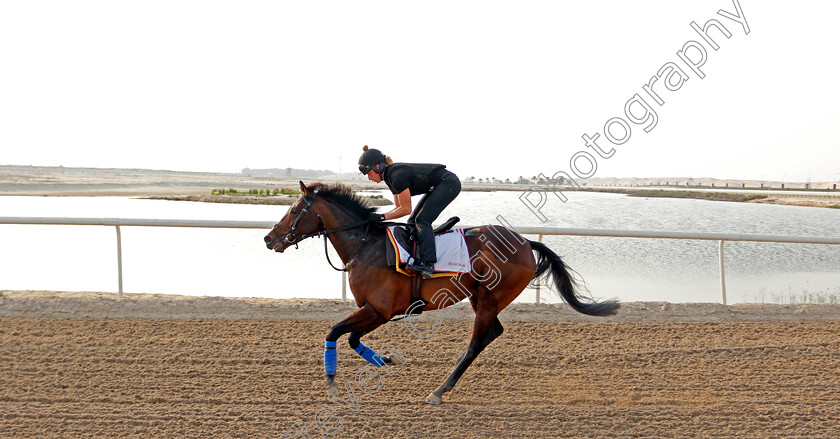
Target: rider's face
x=373 y=176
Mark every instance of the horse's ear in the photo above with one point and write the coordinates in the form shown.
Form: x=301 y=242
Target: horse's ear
x=303 y=188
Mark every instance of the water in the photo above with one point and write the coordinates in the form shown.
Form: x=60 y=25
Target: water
x=222 y=262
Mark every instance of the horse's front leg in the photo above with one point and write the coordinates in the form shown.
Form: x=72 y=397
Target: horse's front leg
x=363 y=320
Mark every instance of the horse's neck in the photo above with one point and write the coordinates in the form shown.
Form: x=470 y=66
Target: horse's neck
x=349 y=242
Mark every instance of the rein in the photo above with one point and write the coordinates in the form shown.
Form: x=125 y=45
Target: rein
x=292 y=236
x=358 y=249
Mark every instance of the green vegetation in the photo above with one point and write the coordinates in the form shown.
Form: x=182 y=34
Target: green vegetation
x=824 y=296
x=374 y=197
x=2 y=293
x=256 y=192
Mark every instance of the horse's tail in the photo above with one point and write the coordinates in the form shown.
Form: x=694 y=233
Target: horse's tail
x=566 y=285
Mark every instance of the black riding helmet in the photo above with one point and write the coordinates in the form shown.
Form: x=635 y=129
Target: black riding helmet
x=371 y=159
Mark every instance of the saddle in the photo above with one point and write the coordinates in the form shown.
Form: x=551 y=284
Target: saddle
x=401 y=249
x=443 y=227
x=411 y=228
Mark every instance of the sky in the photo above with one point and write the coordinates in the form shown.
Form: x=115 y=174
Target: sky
x=489 y=88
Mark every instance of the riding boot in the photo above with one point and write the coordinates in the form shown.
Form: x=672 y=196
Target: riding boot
x=426 y=254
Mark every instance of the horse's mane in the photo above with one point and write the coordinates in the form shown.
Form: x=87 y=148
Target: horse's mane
x=343 y=196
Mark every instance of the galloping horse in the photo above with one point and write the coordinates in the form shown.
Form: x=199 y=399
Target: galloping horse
x=503 y=264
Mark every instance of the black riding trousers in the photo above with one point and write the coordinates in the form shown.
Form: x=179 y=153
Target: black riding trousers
x=428 y=209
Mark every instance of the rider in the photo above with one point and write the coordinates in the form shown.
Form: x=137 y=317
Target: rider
x=437 y=185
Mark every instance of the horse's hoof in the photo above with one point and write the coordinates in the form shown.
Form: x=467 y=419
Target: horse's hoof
x=434 y=399
x=332 y=390
x=395 y=360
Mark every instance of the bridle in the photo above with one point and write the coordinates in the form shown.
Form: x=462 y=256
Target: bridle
x=291 y=236
x=290 y=231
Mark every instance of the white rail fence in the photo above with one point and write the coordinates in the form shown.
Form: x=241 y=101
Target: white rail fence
x=539 y=231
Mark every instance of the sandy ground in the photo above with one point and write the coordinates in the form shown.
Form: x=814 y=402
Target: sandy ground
x=84 y=365
x=801 y=201
x=51 y=304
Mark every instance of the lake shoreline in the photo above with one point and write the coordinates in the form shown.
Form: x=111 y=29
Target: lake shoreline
x=198 y=186
x=276 y=200
x=200 y=193
x=710 y=195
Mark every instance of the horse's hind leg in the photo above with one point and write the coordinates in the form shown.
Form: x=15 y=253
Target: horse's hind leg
x=362 y=321
x=369 y=354
x=486 y=328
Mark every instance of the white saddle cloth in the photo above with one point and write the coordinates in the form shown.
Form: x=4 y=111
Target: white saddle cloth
x=453 y=256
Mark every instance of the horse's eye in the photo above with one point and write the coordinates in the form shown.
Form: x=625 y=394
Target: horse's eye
x=294 y=211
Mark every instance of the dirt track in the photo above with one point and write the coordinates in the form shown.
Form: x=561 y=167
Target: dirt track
x=217 y=378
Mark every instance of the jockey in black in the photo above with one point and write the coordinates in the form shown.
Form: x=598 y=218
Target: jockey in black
x=437 y=185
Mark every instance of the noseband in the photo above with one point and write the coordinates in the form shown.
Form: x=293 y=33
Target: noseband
x=322 y=230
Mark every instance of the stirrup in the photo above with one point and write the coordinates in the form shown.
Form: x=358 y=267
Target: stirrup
x=424 y=269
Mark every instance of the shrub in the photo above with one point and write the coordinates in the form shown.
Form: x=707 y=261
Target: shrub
x=805 y=297
x=256 y=192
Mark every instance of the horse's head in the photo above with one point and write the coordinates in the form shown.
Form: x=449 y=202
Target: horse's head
x=300 y=222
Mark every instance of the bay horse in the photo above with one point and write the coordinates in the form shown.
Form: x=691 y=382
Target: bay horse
x=497 y=277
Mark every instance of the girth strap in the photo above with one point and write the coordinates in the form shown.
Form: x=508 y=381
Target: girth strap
x=416 y=287
x=416 y=282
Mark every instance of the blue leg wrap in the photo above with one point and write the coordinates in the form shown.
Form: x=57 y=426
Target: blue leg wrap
x=330 y=358
x=370 y=355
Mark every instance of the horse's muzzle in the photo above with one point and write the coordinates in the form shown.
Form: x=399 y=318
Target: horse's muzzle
x=274 y=244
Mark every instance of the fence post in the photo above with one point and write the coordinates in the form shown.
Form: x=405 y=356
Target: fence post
x=538 y=281
x=119 y=265
x=343 y=284
x=722 y=273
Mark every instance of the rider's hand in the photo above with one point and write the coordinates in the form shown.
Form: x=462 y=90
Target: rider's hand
x=376 y=217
